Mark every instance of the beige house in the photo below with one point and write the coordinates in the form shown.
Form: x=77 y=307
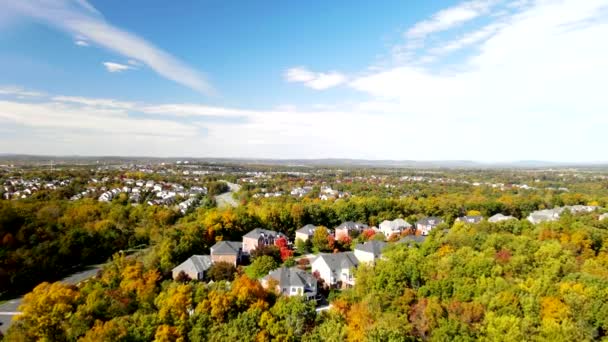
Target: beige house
x=336 y=269
x=194 y=267
x=369 y=251
x=306 y=232
x=227 y=251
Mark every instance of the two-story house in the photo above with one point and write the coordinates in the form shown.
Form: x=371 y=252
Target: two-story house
x=227 y=251
x=291 y=282
x=336 y=269
x=348 y=228
x=306 y=232
x=394 y=227
x=194 y=267
x=425 y=225
x=369 y=251
x=258 y=238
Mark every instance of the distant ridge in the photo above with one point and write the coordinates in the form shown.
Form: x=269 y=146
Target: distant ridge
x=333 y=162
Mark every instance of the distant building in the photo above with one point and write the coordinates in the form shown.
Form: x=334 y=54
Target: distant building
x=306 y=232
x=292 y=282
x=259 y=237
x=425 y=225
x=396 y=226
x=347 y=228
x=470 y=219
x=500 y=217
x=227 y=251
x=194 y=267
x=603 y=217
x=369 y=251
x=337 y=268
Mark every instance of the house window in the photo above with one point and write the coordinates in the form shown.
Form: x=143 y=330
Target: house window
x=284 y=290
x=293 y=289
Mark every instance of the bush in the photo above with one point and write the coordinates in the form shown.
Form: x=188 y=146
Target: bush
x=222 y=271
x=262 y=265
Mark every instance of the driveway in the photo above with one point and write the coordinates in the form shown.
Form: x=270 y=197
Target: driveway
x=226 y=199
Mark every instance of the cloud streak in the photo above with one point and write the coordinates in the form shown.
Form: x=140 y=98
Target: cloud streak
x=314 y=80
x=79 y=18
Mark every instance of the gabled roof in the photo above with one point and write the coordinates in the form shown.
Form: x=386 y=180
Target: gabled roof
x=198 y=263
x=227 y=248
x=291 y=277
x=337 y=261
x=500 y=217
x=350 y=225
x=412 y=238
x=396 y=224
x=256 y=233
x=375 y=247
x=307 y=229
x=430 y=221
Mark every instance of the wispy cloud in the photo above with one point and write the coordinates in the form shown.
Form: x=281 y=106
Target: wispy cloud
x=19 y=92
x=450 y=17
x=116 y=67
x=79 y=18
x=314 y=80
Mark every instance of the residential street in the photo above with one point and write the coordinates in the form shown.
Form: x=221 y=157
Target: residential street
x=9 y=309
x=226 y=199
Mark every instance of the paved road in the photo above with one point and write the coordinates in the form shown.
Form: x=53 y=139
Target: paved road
x=226 y=199
x=11 y=308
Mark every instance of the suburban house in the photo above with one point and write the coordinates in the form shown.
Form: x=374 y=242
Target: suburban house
x=470 y=219
x=258 y=238
x=227 y=251
x=345 y=229
x=545 y=215
x=396 y=226
x=291 y=282
x=336 y=269
x=306 y=232
x=425 y=225
x=194 y=267
x=412 y=240
x=369 y=251
x=500 y=217
x=603 y=217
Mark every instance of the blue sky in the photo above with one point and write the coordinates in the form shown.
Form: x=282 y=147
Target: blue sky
x=485 y=80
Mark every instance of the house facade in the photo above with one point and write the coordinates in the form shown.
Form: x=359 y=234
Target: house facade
x=306 y=232
x=425 y=225
x=227 y=251
x=194 y=267
x=345 y=229
x=396 y=226
x=258 y=238
x=336 y=269
x=470 y=219
x=369 y=251
x=291 y=282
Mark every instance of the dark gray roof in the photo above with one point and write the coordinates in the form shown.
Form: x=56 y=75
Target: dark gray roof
x=350 y=225
x=342 y=260
x=373 y=246
x=430 y=221
x=198 y=263
x=256 y=233
x=227 y=248
x=412 y=238
x=307 y=229
x=291 y=277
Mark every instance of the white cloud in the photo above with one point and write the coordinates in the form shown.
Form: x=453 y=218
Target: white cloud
x=19 y=92
x=79 y=18
x=450 y=17
x=81 y=43
x=116 y=67
x=314 y=80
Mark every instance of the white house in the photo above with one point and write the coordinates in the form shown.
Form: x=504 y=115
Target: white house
x=292 y=282
x=336 y=269
x=425 y=225
x=500 y=217
x=306 y=232
x=603 y=217
x=396 y=226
